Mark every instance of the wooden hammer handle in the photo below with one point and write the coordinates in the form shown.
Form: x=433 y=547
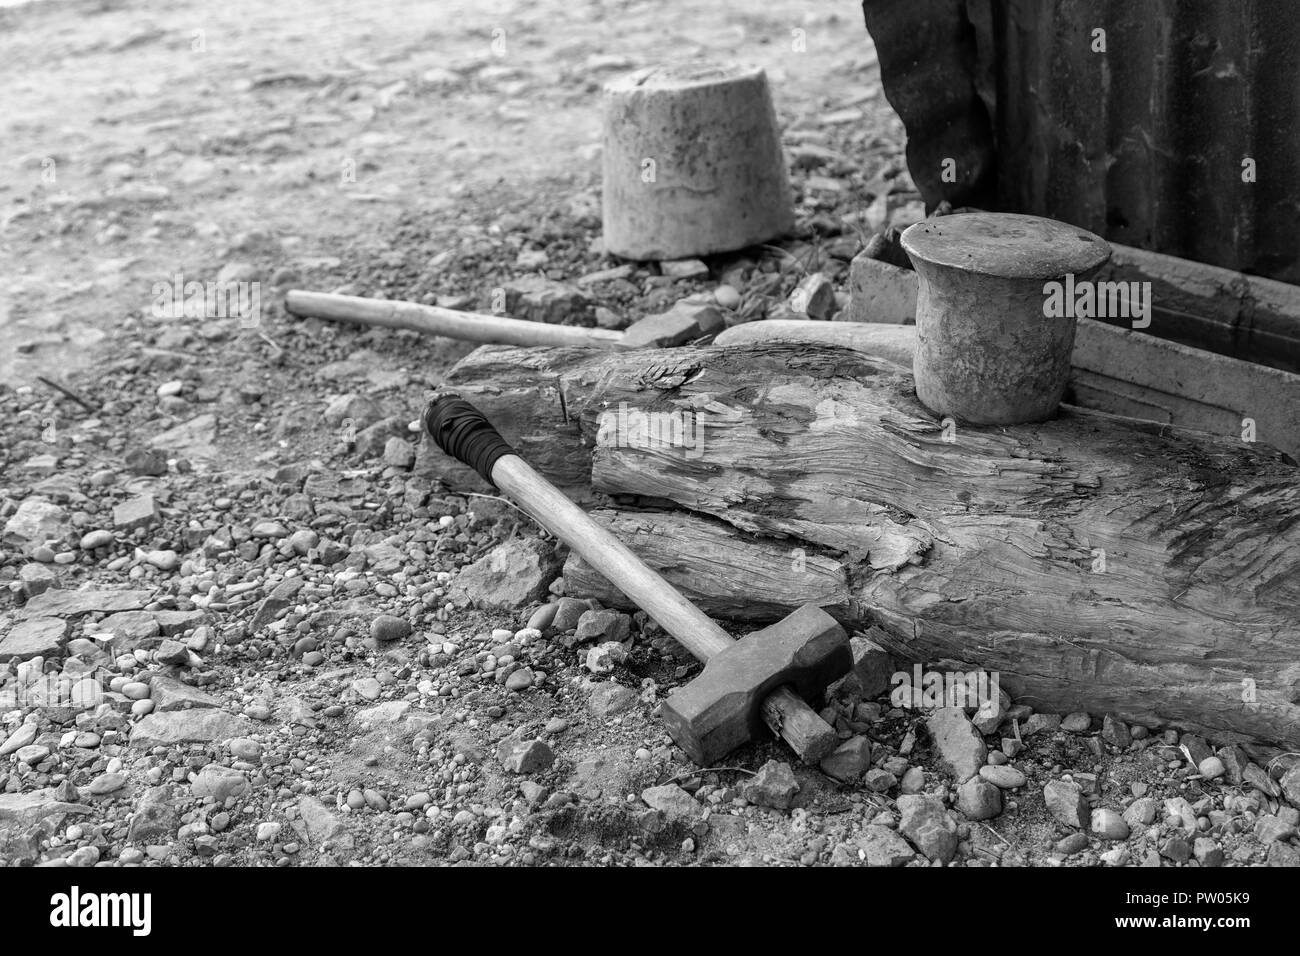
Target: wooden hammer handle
x=432 y=320
x=784 y=711
x=615 y=560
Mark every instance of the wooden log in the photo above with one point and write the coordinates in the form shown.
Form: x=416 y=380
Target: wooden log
x=1114 y=370
x=1097 y=563
x=700 y=557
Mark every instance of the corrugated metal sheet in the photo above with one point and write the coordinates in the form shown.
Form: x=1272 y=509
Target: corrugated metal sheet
x=1143 y=143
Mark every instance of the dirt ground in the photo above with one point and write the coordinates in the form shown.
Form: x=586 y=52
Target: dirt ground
x=293 y=676
x=143 y=139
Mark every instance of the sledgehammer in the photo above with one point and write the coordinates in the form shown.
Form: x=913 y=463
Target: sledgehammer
x=763 y=679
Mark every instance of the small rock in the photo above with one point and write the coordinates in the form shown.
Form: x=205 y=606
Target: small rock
x=773 y=786
x=609 y=698
x=849 y=761
x=674 y=802
x=1066 y=804
x=978 y=799
x=960 y=746
x=1077 y=723
x=96 y=539
x=524 y=756
x=881 y=846
x=603 y=658
x=604 y=626
x=1211 y=768
x=1109 y=825
x=1004 y=776
x=386 y=628
x=926 y=823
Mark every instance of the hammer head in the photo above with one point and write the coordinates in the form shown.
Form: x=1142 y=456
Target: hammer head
x=721 y=708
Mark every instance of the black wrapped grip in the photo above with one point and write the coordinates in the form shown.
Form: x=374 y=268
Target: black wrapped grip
x=460 y=429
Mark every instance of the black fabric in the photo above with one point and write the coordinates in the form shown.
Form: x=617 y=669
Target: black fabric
x=460 y=429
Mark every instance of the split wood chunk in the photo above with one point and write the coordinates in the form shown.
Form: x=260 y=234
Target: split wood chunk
x=1096 y=563
x=987 y=350
x=692 y=163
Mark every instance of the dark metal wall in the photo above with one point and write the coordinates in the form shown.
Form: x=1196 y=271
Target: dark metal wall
x=1142 y=143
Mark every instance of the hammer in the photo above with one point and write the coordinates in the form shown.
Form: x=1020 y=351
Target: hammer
x=761 y=680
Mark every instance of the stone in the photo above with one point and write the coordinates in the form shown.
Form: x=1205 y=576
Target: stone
x=130 y=629
x=961 y=748
x=814 y=298
x=1077 y=723
x=1141 y=812
x=1176 y=849
x=323 y=825
x=35 y=637
x=136 y=513
x=106 y=783
x=773 y=786
x=603 y=658
x=1040 y=723
x=220 y=783
x=568 y=612
x=187 y=726
x=521 y=679
x=604 y=626
x=524 y=756
x=1290 y=785
x=172 y=652
x=925 y=822
x=32 y=754
x=1211 y=768
x=913 y=781
x=978 y=799
x=22 y=813
x=680 y=324
x=63 y=603
x=399 y=453
x=36 y=521
x=1004 y=776
x=353 y=411
x=1116 y=856
x=1066 y=804
x=849 y=761
x=1207 y=852
x=881 y=846
x=1072 y=844
x=1179 y=808
x=871 y=672
x=1195 y=748
x=1115 y=732
x=1282 y=854
x=36 y=579
x=387 y=628
x=673 y=802
x=608 y=698
x=20 y=738
x=684 y=268
x=880 y=292
x=512 y=575
x=1255 y=776
x=538 y=299
x=96 y=539
x=147 y=462
x=1267 y=829
x=169 y=694
x=1108 y=824
x=879 y=780
x=191 y=439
